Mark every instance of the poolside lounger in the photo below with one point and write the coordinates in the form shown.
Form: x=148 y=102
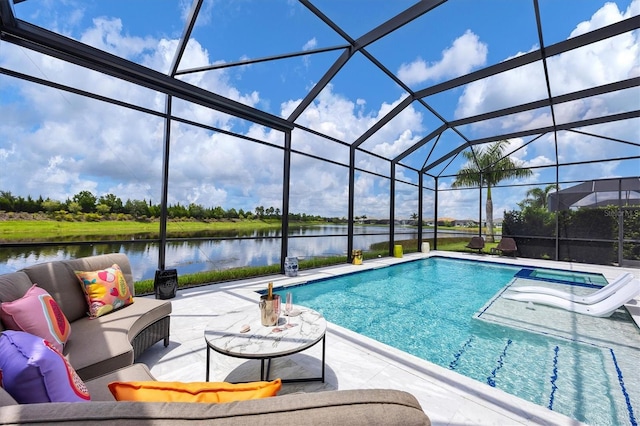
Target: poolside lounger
x=507 y=246
x=587 y=299
x=476 y=243
x=604 y=308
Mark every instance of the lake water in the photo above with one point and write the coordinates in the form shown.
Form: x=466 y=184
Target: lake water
x=253 y=248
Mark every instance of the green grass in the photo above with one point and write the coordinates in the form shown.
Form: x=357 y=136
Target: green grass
x=216 y=277
x=41 y=230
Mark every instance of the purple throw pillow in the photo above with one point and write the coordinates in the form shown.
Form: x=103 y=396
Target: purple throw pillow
x=34 y=371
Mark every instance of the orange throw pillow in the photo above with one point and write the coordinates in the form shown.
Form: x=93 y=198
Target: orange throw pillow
x=210 y=392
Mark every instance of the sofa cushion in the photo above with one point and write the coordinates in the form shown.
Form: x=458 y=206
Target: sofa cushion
x=105 y=289
x=59 y=280
x=99 y=386
x=101 y=345
x=34 y=371
x=37 y=313
x=209 y=392
x=6 y=398
x=14 y=285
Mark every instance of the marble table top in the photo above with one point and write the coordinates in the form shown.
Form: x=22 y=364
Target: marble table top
x=224 y=334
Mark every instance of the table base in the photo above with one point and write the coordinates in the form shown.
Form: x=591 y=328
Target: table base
x=264 y=373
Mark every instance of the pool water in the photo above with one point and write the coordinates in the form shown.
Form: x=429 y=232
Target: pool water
x=427 y=307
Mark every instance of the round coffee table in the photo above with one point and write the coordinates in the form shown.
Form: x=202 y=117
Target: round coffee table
x=225 y=335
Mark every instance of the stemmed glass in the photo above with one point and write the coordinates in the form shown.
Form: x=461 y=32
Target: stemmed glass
x=288 y=307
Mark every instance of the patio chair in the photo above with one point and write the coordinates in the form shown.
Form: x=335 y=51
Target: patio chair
x=603 y=308
x=476 y=243
x=588 y=299
x=507 y=246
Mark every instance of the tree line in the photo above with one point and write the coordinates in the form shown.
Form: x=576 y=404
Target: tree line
x=110 y=206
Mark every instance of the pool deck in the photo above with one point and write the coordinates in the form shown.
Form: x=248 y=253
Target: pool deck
x=352 y=361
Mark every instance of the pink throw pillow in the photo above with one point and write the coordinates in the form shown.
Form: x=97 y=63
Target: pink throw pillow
x=37 y=313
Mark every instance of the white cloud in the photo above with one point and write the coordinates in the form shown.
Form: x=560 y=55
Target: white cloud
x=106 y=34
x=311 y=44
x=466 y=52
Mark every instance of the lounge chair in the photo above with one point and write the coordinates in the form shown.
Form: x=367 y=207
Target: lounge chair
x=476 y=243
x=588 y=299
x=603 y=308
x=507 y=246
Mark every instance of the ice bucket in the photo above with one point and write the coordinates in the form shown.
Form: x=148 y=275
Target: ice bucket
x=269 y=310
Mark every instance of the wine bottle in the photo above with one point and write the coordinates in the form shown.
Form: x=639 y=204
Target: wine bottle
x=270 y=289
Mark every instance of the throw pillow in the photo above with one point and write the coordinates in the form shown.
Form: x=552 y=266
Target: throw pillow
x=210 y=392
x=106 y=290
x=34 y=371
x=37 y=313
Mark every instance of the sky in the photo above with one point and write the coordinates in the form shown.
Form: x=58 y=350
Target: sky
x=55 y=144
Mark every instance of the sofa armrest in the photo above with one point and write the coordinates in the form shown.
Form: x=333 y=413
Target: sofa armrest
x=350 y=407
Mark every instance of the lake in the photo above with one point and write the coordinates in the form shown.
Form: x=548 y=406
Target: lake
x=259 y=248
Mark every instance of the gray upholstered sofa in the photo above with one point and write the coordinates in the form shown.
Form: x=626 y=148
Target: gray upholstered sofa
x=347 y=407
x=104 y=344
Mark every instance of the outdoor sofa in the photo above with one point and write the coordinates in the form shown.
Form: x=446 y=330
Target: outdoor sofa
x=368 y=407
x=95 y=346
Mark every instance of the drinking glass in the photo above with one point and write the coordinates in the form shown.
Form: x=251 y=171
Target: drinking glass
x=288 y=307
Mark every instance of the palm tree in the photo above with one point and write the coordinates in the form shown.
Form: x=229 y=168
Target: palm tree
x=487 y=167
x=538 y=197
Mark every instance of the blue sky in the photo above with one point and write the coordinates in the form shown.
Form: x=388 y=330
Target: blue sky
x=55 y=144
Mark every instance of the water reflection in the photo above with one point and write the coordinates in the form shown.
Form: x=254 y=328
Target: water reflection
x=244 y=248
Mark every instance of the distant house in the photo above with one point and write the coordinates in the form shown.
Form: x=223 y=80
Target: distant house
x=465 y=222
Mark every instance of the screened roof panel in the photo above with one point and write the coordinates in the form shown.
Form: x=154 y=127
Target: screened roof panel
x=407 y=176
x=512 y=123
x=274 y=86
x=446 y=148
x=536 y=151
x=597 y=64
x=558 y=25
x=349 y=95
x=372 y=163
x=45 y=68
x=576 y=173
x=622 y=101
x=576 y=147
x=417 y=159
x=113 y=27
x=357 y=18
x=476 y=66
x=543 y=176
x=477 y=37
x=398 y=134
x=318 y=146
x=232 y=31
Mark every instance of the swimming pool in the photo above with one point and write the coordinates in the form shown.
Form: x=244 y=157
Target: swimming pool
x=427 y=307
